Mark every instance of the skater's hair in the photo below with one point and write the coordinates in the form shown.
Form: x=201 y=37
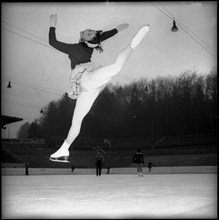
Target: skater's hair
x=97 y=40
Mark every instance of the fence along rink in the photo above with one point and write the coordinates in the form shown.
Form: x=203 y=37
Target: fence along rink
x=20 y=171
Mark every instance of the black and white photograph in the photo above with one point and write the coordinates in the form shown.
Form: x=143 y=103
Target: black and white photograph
x=109 y=110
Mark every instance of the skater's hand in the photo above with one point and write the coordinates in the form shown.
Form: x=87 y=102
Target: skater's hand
x=121 y=27
x=53 y=20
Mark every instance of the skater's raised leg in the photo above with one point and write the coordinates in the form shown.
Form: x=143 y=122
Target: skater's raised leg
x=104 y=74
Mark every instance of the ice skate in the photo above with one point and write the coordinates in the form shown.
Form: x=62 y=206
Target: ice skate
x=139 y=36
x=63 y=159
x=61 y=155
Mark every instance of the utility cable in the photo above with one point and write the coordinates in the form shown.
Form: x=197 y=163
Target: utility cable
x=20 y=35
x=178 y=21
x=171 y=17
x=55 y=92
x=24 y=31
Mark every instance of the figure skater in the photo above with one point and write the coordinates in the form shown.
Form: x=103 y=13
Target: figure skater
x=88 y=78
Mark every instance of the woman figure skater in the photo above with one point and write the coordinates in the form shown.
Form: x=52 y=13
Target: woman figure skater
x=88 y=78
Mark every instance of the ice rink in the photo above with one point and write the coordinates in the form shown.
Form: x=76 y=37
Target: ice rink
x=109 y=196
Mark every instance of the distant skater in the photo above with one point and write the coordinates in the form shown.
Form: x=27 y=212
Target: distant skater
x=108 y=170
x=99 y=163
x=150 y=166
x=72 y=168
x=26 y=169
x=88 y=78
x=138 y=158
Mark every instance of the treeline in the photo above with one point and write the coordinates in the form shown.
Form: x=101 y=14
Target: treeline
x=165 y=106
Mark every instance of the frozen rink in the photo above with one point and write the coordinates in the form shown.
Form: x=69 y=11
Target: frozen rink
x=110 y=196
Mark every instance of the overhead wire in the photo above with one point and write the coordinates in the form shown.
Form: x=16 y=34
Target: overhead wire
x=20 y=29
x=126 y=77
x=55 y=92
x=178 y=21
x=20 y=35
x=40 y=88
x=203 y=45
x=168 y=14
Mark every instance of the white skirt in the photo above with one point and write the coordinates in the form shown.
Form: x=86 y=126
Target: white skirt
x=80 y=70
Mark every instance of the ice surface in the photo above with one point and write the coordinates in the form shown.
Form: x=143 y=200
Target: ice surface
x=110 y=196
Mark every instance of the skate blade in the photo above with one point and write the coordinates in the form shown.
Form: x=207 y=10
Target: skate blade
x=60 y=159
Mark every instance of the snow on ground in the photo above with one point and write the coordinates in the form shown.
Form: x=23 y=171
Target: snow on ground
x=110 y=196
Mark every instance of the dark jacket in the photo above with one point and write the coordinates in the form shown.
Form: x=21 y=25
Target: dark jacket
x=99 y=159
x=78 y=53
x=138 y=158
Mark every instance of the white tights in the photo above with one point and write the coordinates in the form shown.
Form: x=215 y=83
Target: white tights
x=97 y=79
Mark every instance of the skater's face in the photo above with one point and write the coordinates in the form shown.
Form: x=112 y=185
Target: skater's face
x=87 y=34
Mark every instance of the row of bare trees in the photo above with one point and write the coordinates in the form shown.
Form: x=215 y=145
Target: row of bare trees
x=165 y=106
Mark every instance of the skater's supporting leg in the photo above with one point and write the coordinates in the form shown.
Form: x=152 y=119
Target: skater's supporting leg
x=83 y=106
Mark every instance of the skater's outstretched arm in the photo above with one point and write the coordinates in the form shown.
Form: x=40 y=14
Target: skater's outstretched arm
x=63 y=47
x=88 y=36
x=107 y=34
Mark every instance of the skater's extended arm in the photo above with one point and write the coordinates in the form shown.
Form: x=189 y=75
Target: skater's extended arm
x=107 y=34
x=63 y=47
x=52 y=36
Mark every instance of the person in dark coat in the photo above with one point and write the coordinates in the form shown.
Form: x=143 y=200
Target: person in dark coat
x=150 y=166
x=26 y=169
x=72 y=168
x=99 y=162
x=108 y=170
x=138 y=158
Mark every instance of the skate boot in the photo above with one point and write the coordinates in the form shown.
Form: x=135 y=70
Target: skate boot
x=62 y=154
x=139 y=36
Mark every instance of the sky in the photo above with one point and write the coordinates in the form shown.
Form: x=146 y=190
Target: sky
x=39 y=74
